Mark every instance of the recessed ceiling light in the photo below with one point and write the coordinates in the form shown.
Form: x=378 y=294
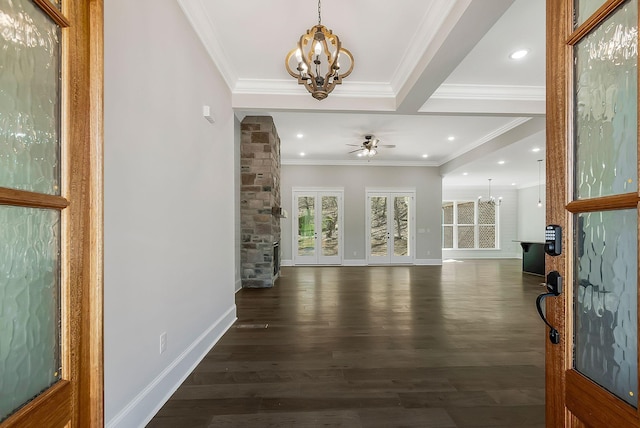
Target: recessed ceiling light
x=451 y=138
x=519 y=54
x=501 y=163
x=300 y=135
x=465 y=173
x=535 y=149
x=425 y=155
x=302 y=154
x=513 y=184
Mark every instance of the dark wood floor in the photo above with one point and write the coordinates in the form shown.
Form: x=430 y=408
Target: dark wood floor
x=403 y=346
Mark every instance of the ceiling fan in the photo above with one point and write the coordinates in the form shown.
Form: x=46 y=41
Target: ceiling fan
x=369 y=146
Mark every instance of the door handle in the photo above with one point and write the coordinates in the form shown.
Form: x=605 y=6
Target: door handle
x=554 y=288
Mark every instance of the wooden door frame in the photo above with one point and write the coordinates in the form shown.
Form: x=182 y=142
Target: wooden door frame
x=563 y=383
x=82 y=219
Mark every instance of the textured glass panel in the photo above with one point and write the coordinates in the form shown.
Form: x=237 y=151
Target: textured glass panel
x=606 y=270
x=486 y=213
x=487 y=237
x=447 y=213
x=401 y=226
x=379 y=226
x=29 y=101
x=306 y=226
x=606 y=107
x=466 y=237
x=330 y=230
x=586 y=8
x=466 y=212
x=29 y=304
x=447 y=237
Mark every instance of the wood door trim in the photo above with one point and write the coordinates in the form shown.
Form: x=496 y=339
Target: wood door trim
x=53 y=12
x=605 y=203
x=558 y=82
x=83 y=219
x=585 y=28
x=23 y=198
x=53 y=407
x=583 y=396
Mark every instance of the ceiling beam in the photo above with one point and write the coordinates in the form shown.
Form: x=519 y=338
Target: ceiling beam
x=520 y=132
x=467 y=23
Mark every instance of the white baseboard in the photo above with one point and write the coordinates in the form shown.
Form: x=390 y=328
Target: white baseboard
x=286 y=262
x=355 y=262
x=150 y=400
x=238 y=285
x=427 y=262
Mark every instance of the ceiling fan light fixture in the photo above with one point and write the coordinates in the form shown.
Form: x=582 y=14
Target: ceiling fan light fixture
x=314 y=62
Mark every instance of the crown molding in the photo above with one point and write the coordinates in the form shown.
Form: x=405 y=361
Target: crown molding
x=373 y=162
x=490 y=92
x=432 y=21
x=291 y=87
x=496 y=133
x=196 y=14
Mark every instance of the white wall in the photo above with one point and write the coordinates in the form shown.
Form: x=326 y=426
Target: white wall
x=508 y=223
x=355 y=179
x=531 y=218
x=169 y=198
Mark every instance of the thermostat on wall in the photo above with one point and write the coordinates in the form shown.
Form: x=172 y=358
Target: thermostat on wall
x=206 y=112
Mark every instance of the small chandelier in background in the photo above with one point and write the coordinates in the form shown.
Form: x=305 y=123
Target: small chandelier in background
x=491 y=199
x=539 y=182
x=316 y=60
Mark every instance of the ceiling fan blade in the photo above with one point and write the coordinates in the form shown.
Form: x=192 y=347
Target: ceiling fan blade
x=390 y=146
x=356 y=150
x=354 y=145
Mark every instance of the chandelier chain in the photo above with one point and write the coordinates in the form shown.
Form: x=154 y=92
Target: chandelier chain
x=319 y=15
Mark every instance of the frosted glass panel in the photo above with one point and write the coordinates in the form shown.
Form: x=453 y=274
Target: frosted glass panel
x=306 y=226
x=29 y=304
x=606 y=271
x=330 y=227
x=586 y=8
x=606 y=107
x=29 y=102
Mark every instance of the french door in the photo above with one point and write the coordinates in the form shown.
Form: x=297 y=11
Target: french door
x=390 y=219
x=592 y=171
x=318 y=235
x=51 y=213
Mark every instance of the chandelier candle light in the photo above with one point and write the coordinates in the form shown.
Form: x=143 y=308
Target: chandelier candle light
x=315 y=62
x=491 y=199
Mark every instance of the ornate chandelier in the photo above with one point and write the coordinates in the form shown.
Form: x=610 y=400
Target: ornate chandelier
x=491 y=200
x=315 y=62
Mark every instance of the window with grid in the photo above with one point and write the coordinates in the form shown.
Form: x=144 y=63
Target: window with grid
x=469 y=225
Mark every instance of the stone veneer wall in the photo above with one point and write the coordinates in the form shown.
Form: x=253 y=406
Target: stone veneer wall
x=259 y=200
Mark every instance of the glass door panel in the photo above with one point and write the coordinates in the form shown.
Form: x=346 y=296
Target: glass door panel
x=390 y=236
x=29 y=99
x=306 y=226
x=584 y=9
x=606 y=269
x=379 y=246
x=605 y=104
x=30 y=246
x=318 y=236
x=330 y=226
x=401 y=226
